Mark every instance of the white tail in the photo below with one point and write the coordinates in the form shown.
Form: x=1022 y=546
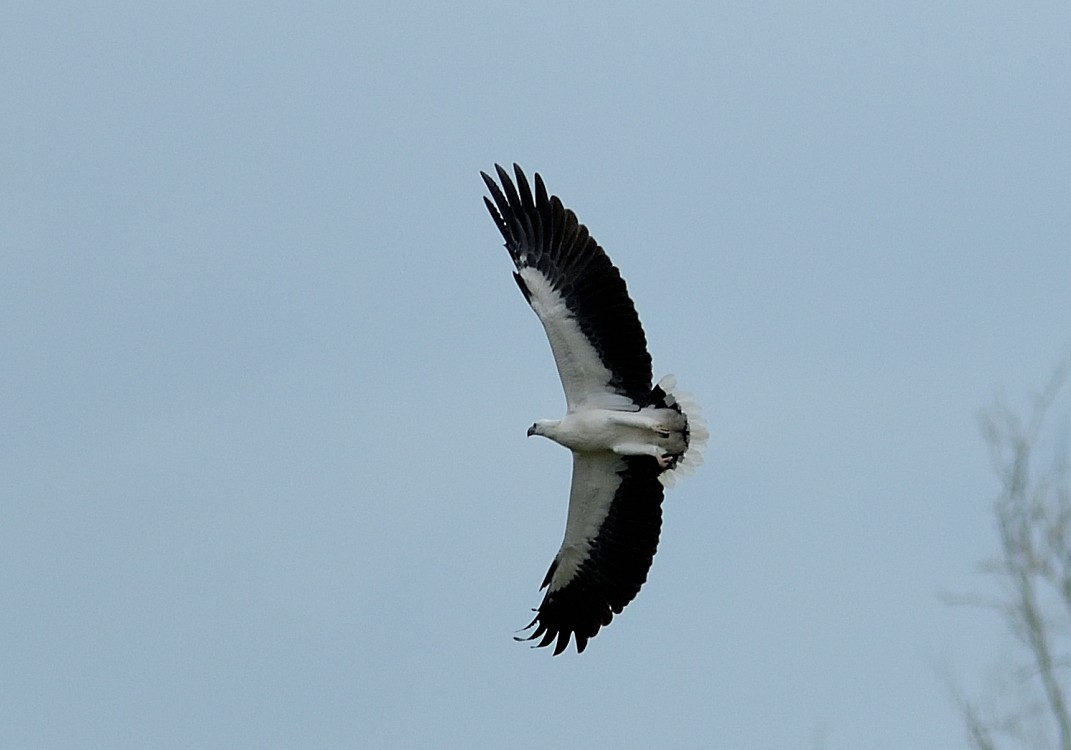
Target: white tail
x=698 y=434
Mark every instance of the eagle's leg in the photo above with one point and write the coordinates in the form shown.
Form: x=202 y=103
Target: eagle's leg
x=645 y=449
x=641 y=421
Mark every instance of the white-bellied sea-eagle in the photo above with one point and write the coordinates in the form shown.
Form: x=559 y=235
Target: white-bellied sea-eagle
x=628 y=437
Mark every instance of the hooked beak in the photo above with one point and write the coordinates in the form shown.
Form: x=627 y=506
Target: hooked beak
x=531 y=431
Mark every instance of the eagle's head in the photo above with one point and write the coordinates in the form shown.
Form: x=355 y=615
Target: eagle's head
x=543 y=427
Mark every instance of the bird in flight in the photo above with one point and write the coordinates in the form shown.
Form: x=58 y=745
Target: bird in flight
x=629 y=438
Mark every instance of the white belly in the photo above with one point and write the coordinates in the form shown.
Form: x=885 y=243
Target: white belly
x=594 y=430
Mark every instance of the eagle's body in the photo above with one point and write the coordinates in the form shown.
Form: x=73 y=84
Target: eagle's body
x=628 y=437
x=651 y=431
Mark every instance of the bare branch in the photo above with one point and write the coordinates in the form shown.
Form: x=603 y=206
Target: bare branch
x=1033 y=520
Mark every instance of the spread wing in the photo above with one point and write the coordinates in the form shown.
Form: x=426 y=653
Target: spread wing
x=578 y=294
x=615 y=517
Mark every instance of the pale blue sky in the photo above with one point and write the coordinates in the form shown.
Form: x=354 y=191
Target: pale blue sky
x=265 y=377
